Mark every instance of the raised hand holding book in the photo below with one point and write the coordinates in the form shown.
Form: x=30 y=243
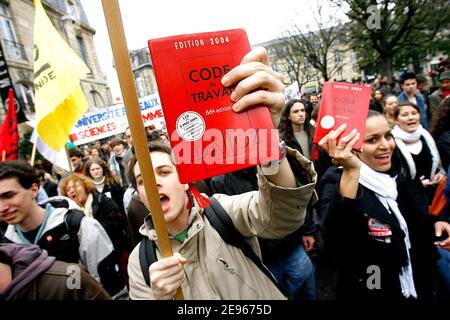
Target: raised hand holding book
x=343 y=103
x=207 y=137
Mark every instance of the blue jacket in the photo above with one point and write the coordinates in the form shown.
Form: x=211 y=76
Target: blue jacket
x=420 y=103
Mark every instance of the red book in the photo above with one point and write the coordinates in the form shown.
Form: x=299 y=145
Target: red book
x=207 y=137
x=343 y=103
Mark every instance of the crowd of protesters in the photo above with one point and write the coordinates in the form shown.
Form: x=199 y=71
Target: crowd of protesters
x=321 y=225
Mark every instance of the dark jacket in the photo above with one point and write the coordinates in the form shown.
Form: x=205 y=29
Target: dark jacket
x=323 y=161
x=3 y=227
x=115 y=192
x=376 y=106
x=36 y=276
x=137 y=212
x=235 y=182
x=443 y=145
x=107 y=212
x=51 y=188
x=244 y=180
x=348 y=239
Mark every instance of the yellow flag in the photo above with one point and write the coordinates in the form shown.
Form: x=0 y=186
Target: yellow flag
x=59 y=99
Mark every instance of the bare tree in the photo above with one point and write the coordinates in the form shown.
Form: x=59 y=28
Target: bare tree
x=298 y=68
x=321 y=45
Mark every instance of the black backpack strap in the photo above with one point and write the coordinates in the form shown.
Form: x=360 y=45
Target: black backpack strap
x=221 y=221
x=223 y=224
x=147 y=255
x=73 y=219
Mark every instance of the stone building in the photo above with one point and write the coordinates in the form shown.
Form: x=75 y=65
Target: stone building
x=143 y=72
x=16 y=34
x=342 y=64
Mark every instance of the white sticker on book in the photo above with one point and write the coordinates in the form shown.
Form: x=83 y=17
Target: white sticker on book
x=190 y=126
x=327 y=122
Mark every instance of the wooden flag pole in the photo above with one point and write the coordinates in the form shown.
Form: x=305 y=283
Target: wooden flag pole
x=3 y=155
x=33 y=151
x=33 y=154
x=122 y=60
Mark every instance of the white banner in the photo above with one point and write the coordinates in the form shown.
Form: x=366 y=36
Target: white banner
x=113 y=120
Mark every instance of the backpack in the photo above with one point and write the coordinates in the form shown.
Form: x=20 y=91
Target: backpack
x=72 y=219
x=62 y=240
x=220 y=220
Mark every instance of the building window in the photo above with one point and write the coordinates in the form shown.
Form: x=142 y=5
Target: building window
x=140 y=87
x=82 y=49
x=279 y=51
x=135 y=62
x=26 y=99
x=71 y=8
x=337 y=57
x=14 y=49
x=98 y=99
x=6 y=23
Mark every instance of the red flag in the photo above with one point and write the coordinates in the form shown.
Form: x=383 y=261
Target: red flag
x=9 y=136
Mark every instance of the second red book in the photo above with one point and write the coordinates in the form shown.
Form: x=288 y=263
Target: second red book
x=343 y=103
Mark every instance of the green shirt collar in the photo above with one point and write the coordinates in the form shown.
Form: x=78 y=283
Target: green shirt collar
x=182 y=235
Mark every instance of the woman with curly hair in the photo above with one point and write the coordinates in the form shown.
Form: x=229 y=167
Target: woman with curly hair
x=98 y=170
x=440 y=130
x=82 y=190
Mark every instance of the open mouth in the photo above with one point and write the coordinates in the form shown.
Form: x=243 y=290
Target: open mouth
x=72 y=196
x=164 y=201
x=384 y=158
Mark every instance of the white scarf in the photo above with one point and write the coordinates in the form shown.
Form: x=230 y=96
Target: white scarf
x=99 y=185
x=87 y=208
x=385 y=188
x=402 y=136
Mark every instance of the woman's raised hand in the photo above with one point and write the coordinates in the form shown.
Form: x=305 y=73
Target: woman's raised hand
x=340 y=148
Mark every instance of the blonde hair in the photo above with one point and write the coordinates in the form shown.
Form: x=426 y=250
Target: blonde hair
x=86 y=182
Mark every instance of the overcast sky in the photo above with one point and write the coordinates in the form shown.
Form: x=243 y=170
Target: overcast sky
x=143 y=20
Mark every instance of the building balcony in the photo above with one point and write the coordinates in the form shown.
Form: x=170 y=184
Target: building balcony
x=14 y=50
